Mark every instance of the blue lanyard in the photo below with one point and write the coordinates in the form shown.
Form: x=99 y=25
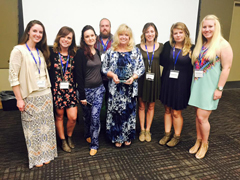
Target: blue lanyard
x=150 y=62
x=63 y=70
x=176 y=57
x=104 y=46
x=34 y=57
x=201 y=55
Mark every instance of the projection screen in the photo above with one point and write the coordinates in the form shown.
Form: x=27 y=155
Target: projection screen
x=135 y=13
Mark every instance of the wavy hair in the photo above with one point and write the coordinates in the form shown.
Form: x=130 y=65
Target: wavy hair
x=187 y=41
x=42 y=45
x=145 y=28
x=214 y=43
x=64 y=31
x=121 y=29
x=83 y=45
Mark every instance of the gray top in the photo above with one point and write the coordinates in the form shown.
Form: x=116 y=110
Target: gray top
x=93 y=75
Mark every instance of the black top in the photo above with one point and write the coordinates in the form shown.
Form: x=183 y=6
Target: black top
x=80 y=71
x=175 y=93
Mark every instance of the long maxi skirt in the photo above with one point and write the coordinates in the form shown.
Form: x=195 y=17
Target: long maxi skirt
x=39 y=129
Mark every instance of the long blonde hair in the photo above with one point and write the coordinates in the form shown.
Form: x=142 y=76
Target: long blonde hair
x=215 y=41
x=123 y=28
x=187 y=41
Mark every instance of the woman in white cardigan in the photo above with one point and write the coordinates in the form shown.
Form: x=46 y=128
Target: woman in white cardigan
x=30 y=82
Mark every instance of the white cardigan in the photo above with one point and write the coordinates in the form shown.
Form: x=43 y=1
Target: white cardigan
x=23 y=71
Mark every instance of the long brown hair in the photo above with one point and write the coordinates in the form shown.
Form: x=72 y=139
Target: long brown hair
x=64 y=31
x=145 y=27
x=42 y=45
x=83 y=45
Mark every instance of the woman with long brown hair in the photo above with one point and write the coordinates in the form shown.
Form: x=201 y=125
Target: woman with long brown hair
x=63 y=84
x=90 y=86
x=29 y=79
x=149 y=84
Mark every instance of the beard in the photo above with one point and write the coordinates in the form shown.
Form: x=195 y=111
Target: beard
x=104 y=36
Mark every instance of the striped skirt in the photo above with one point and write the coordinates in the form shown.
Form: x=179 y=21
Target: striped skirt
x=39 y=129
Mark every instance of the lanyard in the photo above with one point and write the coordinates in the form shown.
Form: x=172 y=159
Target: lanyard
x=201 y=55
x=150 y=62
x=34 y=57
x=176 y=57
x=104 y=46
x=63 y=71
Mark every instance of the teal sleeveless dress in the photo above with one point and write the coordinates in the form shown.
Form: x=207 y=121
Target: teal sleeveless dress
x=203 y=88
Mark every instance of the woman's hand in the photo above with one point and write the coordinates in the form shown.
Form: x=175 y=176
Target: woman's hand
x=129 y=81
x=115 y=78
x=21 y=105
x=217 y=94
x=84 y=102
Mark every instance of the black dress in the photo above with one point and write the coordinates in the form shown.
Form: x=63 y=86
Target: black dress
x=149 y=91
x=175 y=93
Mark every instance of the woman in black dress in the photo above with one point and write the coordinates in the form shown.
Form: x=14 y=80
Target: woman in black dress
x=176 y=81
x=63 y=85
x=149 y=88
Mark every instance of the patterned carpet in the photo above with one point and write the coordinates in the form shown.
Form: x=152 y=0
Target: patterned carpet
x=141 y=160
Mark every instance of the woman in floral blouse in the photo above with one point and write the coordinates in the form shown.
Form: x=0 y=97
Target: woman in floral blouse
x=63 y=85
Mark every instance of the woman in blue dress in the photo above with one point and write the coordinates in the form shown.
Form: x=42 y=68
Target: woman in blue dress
x=123 y=64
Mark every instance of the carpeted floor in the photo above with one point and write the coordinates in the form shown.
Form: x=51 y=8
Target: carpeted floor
x=139 y=161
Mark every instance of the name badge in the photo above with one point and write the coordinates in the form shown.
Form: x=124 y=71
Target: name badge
x=102 y=57
x=174 y=74
x=198 y=73
x=149 y=76
x=64 y=85
x=41 y=84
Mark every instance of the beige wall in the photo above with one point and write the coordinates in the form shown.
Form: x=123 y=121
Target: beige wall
x=8 y=36
x=234 y=40
x=223 y=9
x=9 y=31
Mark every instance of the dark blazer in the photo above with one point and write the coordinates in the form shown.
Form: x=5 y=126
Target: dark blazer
x=80 y=71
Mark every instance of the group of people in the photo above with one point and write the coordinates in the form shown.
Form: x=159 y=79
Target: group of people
x=49 y=82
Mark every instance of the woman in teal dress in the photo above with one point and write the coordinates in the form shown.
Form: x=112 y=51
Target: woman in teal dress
x=212 y=60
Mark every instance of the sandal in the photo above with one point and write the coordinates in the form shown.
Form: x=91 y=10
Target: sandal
x=118 y=145
x=127 y=143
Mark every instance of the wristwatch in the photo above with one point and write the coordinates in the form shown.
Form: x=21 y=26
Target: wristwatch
x=220 y=88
